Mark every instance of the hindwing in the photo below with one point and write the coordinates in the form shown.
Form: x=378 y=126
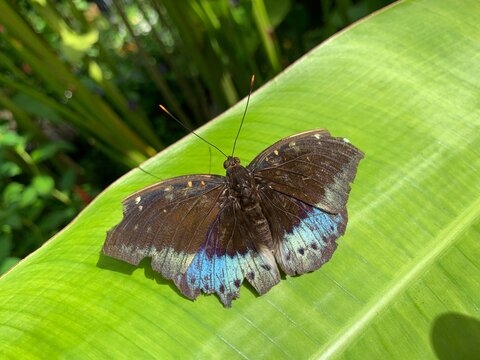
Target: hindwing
x=234 y=249
x=304 y=236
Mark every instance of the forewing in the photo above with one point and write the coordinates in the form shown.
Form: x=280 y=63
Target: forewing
x=304 y=236
x=234 y=249
x=313 y=167
x=168 y=222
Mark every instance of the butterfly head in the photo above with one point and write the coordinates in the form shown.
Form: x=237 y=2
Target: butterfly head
x=231 y=162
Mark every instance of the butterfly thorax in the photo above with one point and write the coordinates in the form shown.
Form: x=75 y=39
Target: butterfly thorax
x=244 y=194
x=242 y=184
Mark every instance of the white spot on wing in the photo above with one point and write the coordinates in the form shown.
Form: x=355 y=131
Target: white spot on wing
x=275 y=152
x=140 y=208
x=138 y=199
x=316 y=136
x=169 y=188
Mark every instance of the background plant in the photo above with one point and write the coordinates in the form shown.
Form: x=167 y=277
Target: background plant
x=80 y=83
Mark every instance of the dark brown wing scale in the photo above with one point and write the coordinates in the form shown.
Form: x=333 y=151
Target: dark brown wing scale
x=167 y=221
x=312 y=167
x=208 y=233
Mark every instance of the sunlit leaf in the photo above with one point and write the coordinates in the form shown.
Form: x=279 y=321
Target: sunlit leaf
x=95 y=71
x=403 y=87
x=75 y=45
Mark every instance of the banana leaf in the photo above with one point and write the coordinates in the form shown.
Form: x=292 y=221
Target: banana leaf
x=402 y=85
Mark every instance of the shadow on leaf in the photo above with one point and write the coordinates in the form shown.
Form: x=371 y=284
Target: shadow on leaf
x=108 y=263
x=456 y=336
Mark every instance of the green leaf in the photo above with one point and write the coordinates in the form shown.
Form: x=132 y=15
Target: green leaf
x=36 y=107
x=7 y=264
x=47 y=151
x=43 y=184
x=95 y=71
x=277 y=10
x=10 y=138
x=9 y=169
x=13 y=193
x=10 y=219
x=5 y=242
x=74 y=45
x=55 y=218
x=402 y=86
x=28 y=196
x=68 y=179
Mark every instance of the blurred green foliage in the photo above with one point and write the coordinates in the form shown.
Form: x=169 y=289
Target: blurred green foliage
x=80 y=84
x=35 y=201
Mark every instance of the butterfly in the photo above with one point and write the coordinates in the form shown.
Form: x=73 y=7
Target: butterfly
x=208 y=233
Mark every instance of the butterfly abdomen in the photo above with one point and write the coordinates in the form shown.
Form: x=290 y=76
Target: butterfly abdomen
x=244 y=190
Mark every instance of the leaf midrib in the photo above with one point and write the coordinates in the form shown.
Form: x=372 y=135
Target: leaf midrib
x=410 y=272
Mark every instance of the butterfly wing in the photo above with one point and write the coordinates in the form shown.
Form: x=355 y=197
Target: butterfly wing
x=304 y=186
x=312 y=167
x=304 y=236
x=199 y=236
x=234 y=249
x=168 y=222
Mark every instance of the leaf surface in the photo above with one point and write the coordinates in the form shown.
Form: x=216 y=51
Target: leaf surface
x=404 y=86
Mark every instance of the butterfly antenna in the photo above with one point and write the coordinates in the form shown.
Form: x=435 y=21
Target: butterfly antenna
x=210 y=162
x=244 y=113
x=149 y=173
x=189 y=130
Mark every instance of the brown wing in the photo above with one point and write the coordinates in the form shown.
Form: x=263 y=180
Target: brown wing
x=234 y=249
x=304 y=236
x=313 y=167
x=168 y=222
